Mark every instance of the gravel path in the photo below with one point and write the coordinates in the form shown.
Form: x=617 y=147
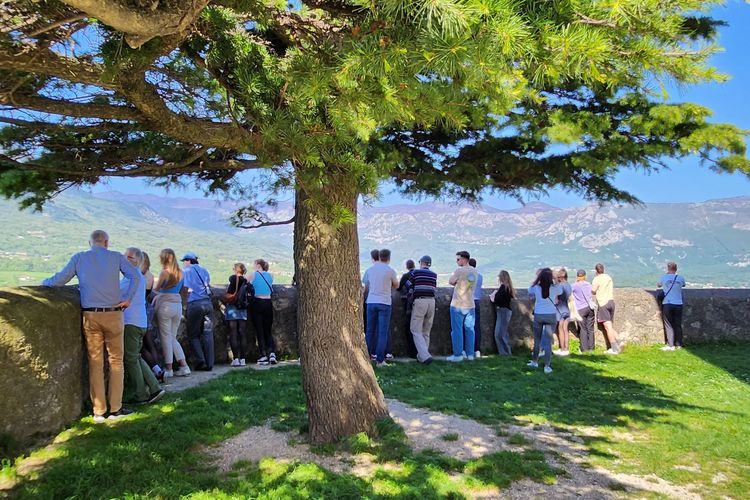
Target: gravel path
x=426 y=429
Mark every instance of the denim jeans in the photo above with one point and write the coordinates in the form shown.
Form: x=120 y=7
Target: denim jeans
x=462 y=330
x=544 y=330
x=502 y=338
x=201 y=339
x=378 y=329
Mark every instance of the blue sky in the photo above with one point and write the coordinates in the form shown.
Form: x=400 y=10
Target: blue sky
x=686 y=181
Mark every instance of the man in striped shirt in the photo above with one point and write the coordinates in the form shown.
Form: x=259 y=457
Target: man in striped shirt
x=423 y=283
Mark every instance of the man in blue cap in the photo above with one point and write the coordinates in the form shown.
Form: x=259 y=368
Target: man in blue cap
x=199 y=311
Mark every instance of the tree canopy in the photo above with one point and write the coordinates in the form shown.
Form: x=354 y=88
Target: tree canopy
x=443 y=96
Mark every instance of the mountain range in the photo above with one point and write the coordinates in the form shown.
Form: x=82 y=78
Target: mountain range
x=709 y=240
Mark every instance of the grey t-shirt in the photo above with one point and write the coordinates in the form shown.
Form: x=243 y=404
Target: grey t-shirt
x=380 y=279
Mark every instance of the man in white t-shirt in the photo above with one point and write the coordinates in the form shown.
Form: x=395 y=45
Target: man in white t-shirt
x=671 y=307
x=464 y=281
x=380 y=279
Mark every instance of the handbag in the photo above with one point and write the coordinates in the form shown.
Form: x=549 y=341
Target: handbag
x=230 y=298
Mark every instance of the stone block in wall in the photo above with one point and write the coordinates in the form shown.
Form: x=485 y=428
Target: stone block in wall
x=41 y=360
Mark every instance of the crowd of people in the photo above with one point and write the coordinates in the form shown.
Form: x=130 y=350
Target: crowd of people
x=119 y=314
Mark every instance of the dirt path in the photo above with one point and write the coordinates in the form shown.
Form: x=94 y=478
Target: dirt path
x=427 y=429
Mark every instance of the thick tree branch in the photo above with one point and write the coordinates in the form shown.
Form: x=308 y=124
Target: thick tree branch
x=82 y=129
x=192 y=130
x=56 y=24
x=31 y=59
x=68 y=108
x=141 y=25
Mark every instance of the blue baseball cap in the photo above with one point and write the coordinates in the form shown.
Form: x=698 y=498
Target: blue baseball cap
x=189 y=256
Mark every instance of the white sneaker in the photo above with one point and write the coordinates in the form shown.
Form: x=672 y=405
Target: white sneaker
x=98 y=419
x=470 y=358
x=263 y=360
x=611 y=351
x=561 y=353
x=533 y=364
x=477 y=354
x=168 y=374
x=183 y=371
x=454 y=359
x=547 y=369
x=242 y=362
x=235 y=362
x=542 y=352
x=668 y=348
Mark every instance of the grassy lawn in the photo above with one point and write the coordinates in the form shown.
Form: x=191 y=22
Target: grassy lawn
x=156 y=454
x=682 y=415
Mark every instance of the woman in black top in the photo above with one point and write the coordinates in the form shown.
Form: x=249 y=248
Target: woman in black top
x=237 y=317
x=502 y=298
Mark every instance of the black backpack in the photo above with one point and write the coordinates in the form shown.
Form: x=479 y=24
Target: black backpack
x=244 y=295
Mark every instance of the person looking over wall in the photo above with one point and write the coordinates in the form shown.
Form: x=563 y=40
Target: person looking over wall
x=603 y=289
x=406 y=288
x=586 y=307
x=236 y=317
x=423 y=284
x=502 y=298
x=168 y=292
x=546 y=295
x=141 y=385
x=380 y=281
x=98 y=270
x=477 y=311
x=464 y=281
x=261 y=312
x=671 y=308
x=200 y=309
x=563 y=334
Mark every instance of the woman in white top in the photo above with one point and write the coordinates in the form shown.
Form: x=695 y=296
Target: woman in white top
x=545 y=294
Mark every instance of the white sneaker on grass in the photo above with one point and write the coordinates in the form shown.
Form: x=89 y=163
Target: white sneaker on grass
x=547 y=369
x=532 y=364
x=99 y=419
x=235 y=362
x=263 y=360
x=668 y=348
x=454 y=359
x=183 y=371
x=477 y=354
x=243 y=362
x=168 y=374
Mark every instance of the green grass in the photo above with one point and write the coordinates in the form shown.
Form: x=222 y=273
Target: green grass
x=451 y=436
x=157 y=453
x=651 y=412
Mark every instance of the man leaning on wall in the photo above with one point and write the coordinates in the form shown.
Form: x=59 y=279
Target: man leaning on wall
x=98 y=270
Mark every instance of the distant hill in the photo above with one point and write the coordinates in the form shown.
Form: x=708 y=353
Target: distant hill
x=710 y=240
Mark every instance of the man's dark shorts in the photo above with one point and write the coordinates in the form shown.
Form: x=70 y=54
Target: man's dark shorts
x=606 y=312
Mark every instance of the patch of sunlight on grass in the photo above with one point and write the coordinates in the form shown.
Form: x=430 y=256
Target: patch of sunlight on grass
x=229 y=399
x=440 y=481
x=73 y=432
x=305 y=473
x=167 y=408
x=386 y=487
x=272 y=469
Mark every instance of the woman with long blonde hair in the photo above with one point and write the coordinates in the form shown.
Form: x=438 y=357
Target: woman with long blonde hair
x=502 y=298
x=168 y=306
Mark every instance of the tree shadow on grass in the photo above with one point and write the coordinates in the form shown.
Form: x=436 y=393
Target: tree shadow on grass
x=502 y=390
x=732 y=358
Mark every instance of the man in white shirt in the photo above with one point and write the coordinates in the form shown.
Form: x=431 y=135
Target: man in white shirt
x=380 y=279
x=602 y=287
x=671 y=307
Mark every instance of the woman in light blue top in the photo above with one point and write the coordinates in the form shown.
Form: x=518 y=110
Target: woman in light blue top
x=545 y=295
x=261 y=311
x=563 y=334
x=168 y=307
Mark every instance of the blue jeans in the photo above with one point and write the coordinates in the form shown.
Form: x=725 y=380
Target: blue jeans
x=544 y=329
x=462 y=327
x=378 y=320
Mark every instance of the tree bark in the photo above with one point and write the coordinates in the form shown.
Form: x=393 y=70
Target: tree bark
x=343 y=396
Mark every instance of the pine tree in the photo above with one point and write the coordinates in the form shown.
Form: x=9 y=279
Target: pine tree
x=446 y=97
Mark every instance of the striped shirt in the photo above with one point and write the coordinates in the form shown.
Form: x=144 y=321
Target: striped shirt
x=424 y=282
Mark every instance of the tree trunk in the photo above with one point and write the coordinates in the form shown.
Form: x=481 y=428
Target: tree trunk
x=343 y=396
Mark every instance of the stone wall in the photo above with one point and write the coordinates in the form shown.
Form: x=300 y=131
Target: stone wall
x=42 y=361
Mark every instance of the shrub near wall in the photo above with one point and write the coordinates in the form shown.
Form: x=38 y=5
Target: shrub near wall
x=41 y=360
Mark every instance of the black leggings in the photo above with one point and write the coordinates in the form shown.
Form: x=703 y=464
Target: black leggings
x=238 y=338
x=261 y=312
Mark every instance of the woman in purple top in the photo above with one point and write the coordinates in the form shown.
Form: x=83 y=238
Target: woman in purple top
x=586 y=306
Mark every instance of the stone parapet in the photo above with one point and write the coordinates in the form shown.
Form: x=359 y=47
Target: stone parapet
x=42 y=359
